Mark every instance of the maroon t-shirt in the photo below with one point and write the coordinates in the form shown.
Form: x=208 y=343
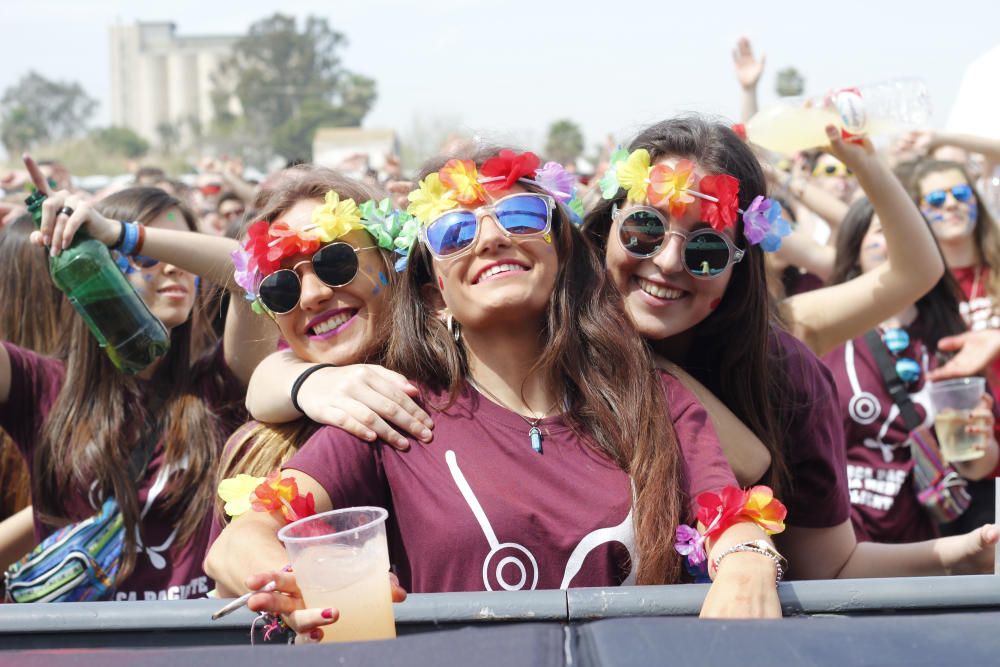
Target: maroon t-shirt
x=979 y=309
x=163 y=570
x=884 y=505
x=477 y=509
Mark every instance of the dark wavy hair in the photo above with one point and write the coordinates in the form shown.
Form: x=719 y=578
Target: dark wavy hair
x=733 y=353
x=938 y=309
x=101 y=414
x=611 y=394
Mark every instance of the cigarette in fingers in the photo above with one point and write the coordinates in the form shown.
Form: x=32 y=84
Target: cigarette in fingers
x=242 y=600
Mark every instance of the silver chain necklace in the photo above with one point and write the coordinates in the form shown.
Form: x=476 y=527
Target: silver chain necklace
x=534 y=433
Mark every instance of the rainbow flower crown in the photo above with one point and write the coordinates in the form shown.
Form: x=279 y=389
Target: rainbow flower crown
x=672 y=189
x=459 y=183
x=268 y=244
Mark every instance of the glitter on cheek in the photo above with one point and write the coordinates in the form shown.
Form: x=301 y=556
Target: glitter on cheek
x=171 y=216
x=375 y=290
x=440 y=282
x=382 y=278
x=973 y=212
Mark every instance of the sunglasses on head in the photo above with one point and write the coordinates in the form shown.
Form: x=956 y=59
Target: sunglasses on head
x=521 y=215
x=335 y=264
x=643 y=232
x=962 y=193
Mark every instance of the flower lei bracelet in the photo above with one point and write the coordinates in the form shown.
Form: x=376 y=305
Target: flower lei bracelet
x=718 y=512
x=268 y=244
x=273 y=493
x=460 y=183
x=672 y=189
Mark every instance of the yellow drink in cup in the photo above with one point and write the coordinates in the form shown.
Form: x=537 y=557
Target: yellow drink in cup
x=954 y=401
x=341 y=560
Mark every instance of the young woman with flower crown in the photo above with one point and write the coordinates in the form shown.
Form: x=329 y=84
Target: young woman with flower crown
x=691 y=269
x=547 y=413
x=321 y=267
x=76 y=420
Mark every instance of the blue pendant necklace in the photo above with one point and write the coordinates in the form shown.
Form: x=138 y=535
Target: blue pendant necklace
x=534 y=433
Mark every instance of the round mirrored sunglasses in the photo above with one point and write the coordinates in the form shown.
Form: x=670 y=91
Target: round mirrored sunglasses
x=705 y=253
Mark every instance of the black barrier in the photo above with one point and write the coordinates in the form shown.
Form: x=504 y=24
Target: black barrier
x=186 y=622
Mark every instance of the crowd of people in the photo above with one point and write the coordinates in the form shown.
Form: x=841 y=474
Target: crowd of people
x=702 y=362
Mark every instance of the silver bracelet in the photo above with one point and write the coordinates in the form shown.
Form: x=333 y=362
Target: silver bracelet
x=761 y=547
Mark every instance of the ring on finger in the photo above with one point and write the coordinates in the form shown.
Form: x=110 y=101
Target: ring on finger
x=66 y=210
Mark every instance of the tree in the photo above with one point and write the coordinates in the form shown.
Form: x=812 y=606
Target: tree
x=36 y=110
x=790 y=82
x=565 y=142
x=289 y=83
x=121 y=141
x=169 y=134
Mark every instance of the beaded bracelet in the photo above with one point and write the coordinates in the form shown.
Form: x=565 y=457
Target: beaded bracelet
x=757 y=547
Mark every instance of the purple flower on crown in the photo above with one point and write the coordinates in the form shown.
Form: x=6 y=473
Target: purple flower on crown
x=553 y=177
x=757 y=219
x=245 y=277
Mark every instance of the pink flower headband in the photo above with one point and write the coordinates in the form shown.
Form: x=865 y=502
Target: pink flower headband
x=672 y=189
x=459 y=183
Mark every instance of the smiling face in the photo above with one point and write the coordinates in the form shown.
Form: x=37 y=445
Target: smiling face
x=953 y=220
x=662 y=298
x=500 y=279
x=167 y=290
x=333 y=324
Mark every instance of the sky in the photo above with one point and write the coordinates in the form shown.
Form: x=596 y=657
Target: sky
x=506 y=70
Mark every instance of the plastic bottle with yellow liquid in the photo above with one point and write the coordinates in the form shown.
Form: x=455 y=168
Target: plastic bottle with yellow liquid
x=797 y=123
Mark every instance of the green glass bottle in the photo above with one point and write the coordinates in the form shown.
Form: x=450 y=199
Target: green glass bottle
x=132 y=337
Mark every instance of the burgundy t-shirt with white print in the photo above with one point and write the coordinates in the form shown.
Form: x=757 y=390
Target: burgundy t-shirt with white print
x=163 y=570
x=477 y=509
x=884 y=505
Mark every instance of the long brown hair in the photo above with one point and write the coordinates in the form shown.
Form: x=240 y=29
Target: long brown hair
x=32 y=317
x=732 y=353
x=101 y=414
x=611 y=395
x=986 y=234
x=257 y=449
x=937 y=310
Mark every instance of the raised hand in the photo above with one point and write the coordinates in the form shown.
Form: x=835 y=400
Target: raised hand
x=748 y=69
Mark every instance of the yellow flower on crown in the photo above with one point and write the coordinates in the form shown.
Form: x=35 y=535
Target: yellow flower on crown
x=336 y=218
x=431 y=199
x=633 y=174
x=462 y=178
x=236 y=491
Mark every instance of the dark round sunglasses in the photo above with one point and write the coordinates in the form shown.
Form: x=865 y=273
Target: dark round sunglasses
x=706 y=253
x=336 y=265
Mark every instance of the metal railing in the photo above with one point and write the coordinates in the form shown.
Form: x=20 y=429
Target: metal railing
x=187 y=622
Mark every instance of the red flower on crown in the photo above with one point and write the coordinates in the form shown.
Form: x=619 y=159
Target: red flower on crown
x=290 y=242
x=256 y=246
x=511 y=166
x=722 y=214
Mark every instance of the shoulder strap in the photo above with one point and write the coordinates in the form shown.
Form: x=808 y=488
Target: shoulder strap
x=892 y=382
x=141 y=455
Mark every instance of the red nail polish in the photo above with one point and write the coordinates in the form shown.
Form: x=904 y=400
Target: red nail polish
x=327 y=613
x=316 y=634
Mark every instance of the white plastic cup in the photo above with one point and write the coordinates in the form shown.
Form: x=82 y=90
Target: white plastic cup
x=341 y=561
x=954 y=401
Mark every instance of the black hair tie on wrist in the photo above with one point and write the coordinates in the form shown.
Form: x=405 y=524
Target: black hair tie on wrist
x=303 y=376
x=121 y=237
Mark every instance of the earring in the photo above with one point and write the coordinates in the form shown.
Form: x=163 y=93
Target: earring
x=454 y=328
